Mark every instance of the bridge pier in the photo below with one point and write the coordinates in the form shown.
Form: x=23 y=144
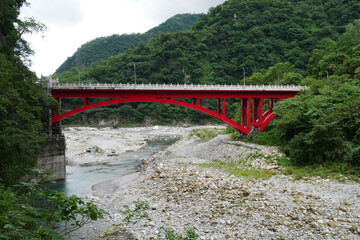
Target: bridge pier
x=52 y=157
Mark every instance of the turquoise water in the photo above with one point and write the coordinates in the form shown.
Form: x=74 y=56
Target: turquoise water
x=79 y=179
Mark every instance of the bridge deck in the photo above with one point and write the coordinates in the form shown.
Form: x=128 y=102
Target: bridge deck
x=113 y=86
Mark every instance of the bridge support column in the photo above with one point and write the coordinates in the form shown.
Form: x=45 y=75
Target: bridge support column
x=261 y=111
x=243 y=111
x=257 y=110
x=218 y=106
x=248 y=112
x=86 y=101
x=224 y=107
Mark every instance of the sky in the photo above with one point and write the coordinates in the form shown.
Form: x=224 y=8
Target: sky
x=71 y=23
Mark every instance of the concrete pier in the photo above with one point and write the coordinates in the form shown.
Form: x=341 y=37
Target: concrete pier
x=52 y=158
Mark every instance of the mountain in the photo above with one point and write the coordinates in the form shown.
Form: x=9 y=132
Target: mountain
x=254 y=34
x=105 y=47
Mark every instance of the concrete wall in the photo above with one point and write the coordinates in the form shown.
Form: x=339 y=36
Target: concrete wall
x=52 y=158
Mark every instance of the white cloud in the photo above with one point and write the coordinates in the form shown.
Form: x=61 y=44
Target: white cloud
x=56 y=13
x=72 y=23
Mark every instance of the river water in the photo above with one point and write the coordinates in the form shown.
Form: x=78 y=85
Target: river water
x=80 y=178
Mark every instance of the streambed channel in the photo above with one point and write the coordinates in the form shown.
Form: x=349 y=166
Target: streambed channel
x=96 y=156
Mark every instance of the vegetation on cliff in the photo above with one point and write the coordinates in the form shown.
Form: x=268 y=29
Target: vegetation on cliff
x=28 y=211
x=22 y=102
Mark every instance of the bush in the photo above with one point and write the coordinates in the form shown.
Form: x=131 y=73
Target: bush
x=34 y=212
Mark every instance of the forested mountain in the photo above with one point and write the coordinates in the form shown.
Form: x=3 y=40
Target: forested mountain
x=105 y=47
x=252 y=34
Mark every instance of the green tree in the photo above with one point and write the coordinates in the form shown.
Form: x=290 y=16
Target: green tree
x=22 y=102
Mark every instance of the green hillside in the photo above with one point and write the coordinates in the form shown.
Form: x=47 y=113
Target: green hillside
x=105 y=47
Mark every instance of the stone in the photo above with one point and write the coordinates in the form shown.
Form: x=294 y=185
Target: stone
x=343 y=209
x=333 y=224
x=162 y=175
x=272 y=167
x=246 y=193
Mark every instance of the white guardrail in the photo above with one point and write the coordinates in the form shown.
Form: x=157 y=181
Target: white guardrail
x=177 y=87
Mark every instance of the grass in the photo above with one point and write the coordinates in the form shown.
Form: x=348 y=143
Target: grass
x=242 y=168
x=206 y=134
x=335 y=171
x=239 y=169
x=267 y=138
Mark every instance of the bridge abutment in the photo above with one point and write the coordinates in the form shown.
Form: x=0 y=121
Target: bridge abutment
x=52 y=157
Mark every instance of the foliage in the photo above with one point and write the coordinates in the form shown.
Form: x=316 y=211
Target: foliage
x=34 y=212
x=340 y=57
x=320 y=127
x=137 y=213
x=281 y=73
x=313 y=128
x=205 y=134
x=105 y=47
x=190 y=234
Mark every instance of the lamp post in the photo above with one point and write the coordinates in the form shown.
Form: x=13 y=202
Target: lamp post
x=244 y=74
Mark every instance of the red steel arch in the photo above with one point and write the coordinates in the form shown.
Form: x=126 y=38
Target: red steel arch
x=252 y=100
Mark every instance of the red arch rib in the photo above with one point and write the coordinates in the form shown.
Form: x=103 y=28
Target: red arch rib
x=222 y=118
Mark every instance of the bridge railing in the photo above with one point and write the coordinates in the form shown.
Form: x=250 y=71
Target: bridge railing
x=157 y=86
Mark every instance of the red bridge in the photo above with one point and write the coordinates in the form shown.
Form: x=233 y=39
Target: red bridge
x=256 y=101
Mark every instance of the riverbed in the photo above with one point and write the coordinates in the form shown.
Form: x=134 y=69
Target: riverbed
x=183 y=194
x=99 y=155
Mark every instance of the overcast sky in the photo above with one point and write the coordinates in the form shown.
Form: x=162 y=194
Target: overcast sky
x=72 y=23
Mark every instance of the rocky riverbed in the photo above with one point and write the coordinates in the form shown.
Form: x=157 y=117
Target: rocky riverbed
x=183 y=194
